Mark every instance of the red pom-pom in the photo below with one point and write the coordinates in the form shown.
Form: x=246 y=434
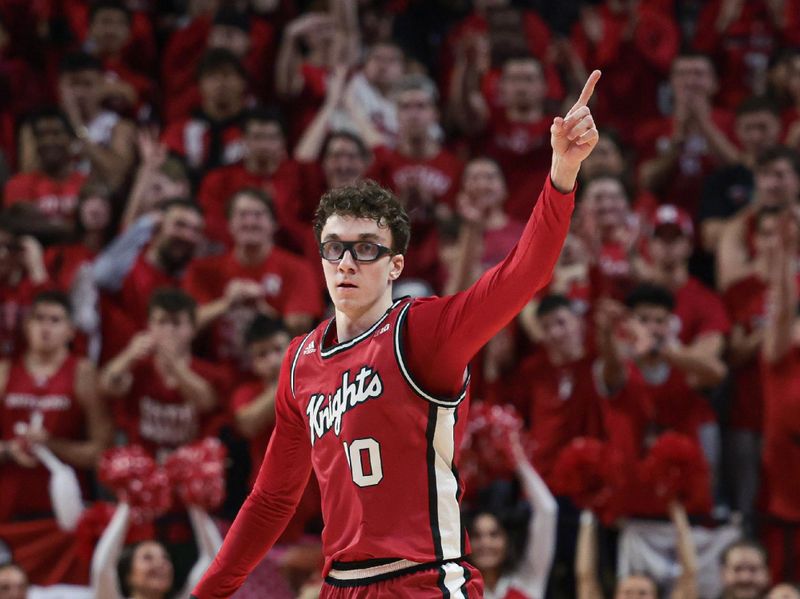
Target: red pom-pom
x=135 y=479
x=485 y=451
x=92 y=524
x=593 y=475
x=676 y=469
x=197 y=473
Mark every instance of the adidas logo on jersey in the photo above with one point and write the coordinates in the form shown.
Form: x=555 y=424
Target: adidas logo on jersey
x=310 y=348
x=367 y=384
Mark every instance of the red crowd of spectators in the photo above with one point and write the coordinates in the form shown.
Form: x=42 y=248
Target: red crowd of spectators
x=161 y=163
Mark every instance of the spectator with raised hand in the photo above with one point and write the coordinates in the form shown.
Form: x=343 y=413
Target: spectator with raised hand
x=780 y=375
x=164 y=395
x=486 y=233
x=212 y=136
x=49 y=398
x=730 y=188
x=52 y=188
x=126 y=276
x=777 y=185
x=253 y=277
x=107 y=141
x=22 y=275
x=677 y=152
x=525 y=577
x=158 y=178
x=675 y=373
x=642 y=585
x=515 y=133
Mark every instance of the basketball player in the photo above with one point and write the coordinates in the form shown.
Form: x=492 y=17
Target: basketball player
x=373 y=399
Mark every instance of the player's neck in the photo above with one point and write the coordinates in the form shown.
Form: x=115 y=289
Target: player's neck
x=350 y=323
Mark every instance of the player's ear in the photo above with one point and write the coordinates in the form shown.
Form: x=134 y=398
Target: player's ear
x=398 y=262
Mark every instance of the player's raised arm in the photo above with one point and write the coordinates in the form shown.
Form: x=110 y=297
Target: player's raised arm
x=449 y=331
x=573 y=138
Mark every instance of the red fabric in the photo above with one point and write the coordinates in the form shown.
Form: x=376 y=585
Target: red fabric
x=63 y=262
x=56 y=199
x=627 y=415
x=782 y=542
x=745 y=301
x=14 y=304
x=419 y=585
x=781 y=452
x=633 y=65
x=678 y=407
x=693 y=165
x=157 y=416
x=47 y=554
x=744 y=50
x=303 y=108
x=25 y=490
x=191 y=139
x=523 y=152
x=220 y=184
x=289 y=283
x=699 y=311
x=612 y=274
x=563 y=403
x=244 y=395
x=445 y=332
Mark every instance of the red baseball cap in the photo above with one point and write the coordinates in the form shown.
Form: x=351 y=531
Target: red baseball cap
x=669 y=215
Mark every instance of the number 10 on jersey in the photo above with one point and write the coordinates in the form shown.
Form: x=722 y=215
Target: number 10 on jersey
x=361 y=453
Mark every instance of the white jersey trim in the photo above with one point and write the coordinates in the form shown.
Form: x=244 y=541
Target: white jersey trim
x=398 y=352
x=294 y=361
x=448 y=513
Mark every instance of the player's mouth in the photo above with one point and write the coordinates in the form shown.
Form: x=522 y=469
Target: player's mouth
x=346 y=285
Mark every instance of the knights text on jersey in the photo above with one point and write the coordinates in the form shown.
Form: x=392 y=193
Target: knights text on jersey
x=383 y=450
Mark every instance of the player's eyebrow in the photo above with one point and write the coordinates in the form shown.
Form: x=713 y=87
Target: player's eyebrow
x=361 y=236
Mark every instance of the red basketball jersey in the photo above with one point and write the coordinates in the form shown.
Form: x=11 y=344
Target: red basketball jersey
x=383 y=450
x=24 y=490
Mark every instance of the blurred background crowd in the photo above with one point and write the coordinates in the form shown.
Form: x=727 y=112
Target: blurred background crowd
x=160 y=165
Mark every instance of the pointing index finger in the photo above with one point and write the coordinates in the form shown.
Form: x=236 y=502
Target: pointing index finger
x=588 y=90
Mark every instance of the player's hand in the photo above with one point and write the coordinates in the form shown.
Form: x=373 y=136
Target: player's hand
x=573 y=138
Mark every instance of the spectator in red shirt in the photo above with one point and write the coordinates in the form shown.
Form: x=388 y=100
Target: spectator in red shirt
x=253 y=403
x=679 y=151
x=265 y=165
x=777 y=185
x=514 y=134
x=22 y=275
x=780 y=355
x=610 y=230
x=107 y=38
x=563 y=395
x=212 y=135
x=165 y=391
x=53 y=188
x=674 y=373
x=423 y=174
x=742 y=37
x=107 y=141
x=52 y=395
x=161 y=263
x=253 y=277
x=248 y=38
x=634 y=44
x=730 y=188
x=92 y=231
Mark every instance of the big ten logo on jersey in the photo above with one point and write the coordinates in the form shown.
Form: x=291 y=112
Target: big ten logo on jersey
x=271 y=283
x=366 y=385
x=385 y=328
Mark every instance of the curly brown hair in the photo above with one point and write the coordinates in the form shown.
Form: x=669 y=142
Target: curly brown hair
x=366 y=199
